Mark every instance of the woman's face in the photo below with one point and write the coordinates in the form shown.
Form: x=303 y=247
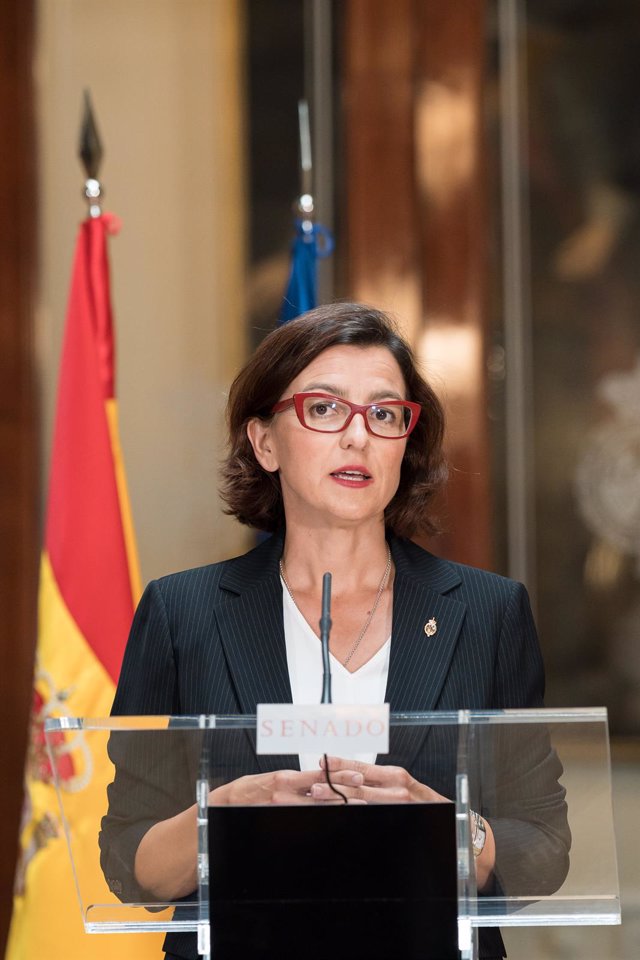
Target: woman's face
x=335 y=479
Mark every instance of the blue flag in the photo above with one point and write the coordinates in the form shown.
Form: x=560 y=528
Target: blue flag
x=312 y=241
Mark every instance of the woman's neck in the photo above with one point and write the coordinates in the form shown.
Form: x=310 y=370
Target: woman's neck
x=354 y=557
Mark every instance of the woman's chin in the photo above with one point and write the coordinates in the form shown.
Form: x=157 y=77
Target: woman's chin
x=344 y=517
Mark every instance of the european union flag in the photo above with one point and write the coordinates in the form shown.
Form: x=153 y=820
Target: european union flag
x=312 y=241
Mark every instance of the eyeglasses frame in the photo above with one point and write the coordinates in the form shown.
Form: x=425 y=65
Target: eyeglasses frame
x=297 y=400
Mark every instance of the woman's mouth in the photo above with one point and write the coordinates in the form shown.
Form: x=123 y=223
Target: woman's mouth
x=352 y=476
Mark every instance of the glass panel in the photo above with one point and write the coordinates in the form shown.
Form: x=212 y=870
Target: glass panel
x=563 y=132
x=545 y=788
x=565 y=364
x=541 y=779
x=585 y=245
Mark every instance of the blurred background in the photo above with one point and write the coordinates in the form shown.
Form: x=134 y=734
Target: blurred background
x=478 y=163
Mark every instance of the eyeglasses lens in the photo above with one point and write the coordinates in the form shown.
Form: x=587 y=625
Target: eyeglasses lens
x=330 y=416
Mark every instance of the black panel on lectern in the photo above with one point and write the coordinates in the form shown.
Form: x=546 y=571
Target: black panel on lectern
x=333 y=883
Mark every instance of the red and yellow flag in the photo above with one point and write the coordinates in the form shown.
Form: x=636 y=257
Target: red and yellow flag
x=89 y=583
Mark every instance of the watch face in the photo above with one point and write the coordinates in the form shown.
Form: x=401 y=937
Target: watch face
x=480 y=835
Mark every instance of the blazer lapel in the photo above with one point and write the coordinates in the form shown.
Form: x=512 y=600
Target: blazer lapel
x=252 y=634
x=419 y=663
x=251 y=628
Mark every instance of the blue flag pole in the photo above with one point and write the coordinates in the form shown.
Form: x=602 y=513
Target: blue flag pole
x=312 y=240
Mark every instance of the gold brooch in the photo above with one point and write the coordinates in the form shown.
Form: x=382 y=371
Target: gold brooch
x=431 y=627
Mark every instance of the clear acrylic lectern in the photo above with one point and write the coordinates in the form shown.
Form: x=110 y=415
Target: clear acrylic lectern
x=541 y=778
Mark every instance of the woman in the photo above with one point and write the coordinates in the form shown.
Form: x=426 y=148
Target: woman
x=335 y=449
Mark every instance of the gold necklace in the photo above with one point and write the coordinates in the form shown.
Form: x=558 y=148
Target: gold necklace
x=383 y=583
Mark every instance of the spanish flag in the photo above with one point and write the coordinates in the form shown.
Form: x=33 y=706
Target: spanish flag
x=89 y=583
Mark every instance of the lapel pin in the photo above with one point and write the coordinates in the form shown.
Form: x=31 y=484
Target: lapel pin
x=431 y=627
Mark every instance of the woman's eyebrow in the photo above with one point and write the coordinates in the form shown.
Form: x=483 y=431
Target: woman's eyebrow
x=341 y=393
x=325 y=388
x=386 y=395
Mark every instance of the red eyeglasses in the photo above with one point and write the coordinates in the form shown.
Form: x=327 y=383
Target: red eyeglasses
x=389 y=419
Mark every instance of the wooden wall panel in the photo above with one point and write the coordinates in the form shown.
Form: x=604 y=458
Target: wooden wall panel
x=18 y=459
x=382 y=237
x=415 y=198
x=451 y=175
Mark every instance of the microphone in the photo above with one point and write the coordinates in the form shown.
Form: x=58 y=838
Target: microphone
x=325 y=629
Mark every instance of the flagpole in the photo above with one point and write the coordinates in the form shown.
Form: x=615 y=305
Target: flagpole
x=312 y=240
x=305 y=199
x=90 y=153
x=318 y=88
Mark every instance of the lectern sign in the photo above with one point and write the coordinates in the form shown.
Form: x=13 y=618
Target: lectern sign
x=339 y=730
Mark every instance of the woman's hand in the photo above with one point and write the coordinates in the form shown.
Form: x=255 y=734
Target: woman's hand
x=379 y=784
x=166 y=858
x=288 y=787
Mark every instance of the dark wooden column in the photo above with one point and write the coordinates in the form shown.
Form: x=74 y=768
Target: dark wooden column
x=18 y=457
x=416 y=226
x=450 y=167
x=382 y=224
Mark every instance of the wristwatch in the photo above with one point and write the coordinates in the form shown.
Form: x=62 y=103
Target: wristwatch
x=478 y=833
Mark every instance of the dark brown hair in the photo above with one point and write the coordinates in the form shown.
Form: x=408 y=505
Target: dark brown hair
x=252 y=494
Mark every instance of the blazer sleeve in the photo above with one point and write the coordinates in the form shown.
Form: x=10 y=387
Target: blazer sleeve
x=147 y=685
x=519 y=673
x=152 y=771
x=522 y=793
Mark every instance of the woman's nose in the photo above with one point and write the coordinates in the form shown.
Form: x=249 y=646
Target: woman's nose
x=356 y=434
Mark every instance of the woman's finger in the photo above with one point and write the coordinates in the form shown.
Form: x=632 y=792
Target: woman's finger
x=374 y=774
x=381 y=777
x=338 y=764
x=322 y=791
x=283 y=798
x=341 y=778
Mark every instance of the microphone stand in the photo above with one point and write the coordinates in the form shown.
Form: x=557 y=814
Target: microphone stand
x=325 y=629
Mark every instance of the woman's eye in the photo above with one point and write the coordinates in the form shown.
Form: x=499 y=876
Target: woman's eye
x=322 y=409
x=385 y=414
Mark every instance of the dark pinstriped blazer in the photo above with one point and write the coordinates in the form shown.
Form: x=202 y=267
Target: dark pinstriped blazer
x=211 y=640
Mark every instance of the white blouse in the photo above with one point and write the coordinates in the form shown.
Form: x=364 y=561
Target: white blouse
x=366 y=685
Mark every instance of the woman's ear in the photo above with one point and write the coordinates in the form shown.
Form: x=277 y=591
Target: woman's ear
x=261 y=439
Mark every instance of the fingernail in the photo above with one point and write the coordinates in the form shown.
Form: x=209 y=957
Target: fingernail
x=357 y=778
